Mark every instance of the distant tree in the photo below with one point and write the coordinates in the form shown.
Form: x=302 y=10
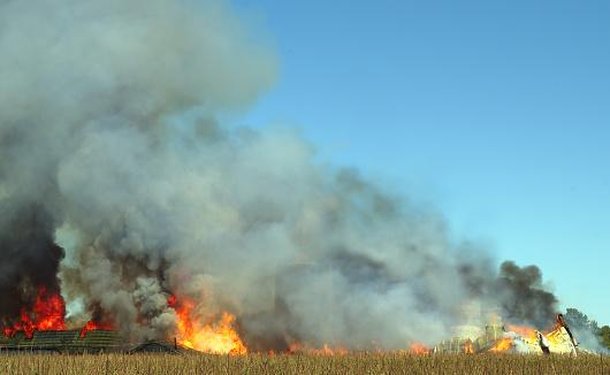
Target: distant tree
x=580 y=321
x=604 y=334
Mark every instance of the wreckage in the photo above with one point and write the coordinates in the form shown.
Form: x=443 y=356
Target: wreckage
x=63 y=341
x=497 y=338
x=76 y=342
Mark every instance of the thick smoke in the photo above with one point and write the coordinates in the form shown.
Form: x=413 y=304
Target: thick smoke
x=522 y=295
x=111 y=139
x=30 y=256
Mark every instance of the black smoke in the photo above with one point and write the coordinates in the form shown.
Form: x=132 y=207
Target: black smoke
x=30 y=257
x=523 y=295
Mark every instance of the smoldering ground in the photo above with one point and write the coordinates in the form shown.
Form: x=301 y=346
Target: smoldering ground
x=111 y=135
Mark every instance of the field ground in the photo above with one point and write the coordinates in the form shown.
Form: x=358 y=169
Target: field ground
x=168 y=364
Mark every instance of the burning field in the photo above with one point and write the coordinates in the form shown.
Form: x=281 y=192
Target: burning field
x=133 y=210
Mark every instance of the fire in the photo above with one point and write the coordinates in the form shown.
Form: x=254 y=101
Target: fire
x=47 y=313
x=419 y=349
x=325 y=350
x=217 y=337
x=503 y=345
x=523 y=331
x=93 y=326
x=468 y=347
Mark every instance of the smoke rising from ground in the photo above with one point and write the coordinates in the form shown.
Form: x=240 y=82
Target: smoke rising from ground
x=109 y=136
x=523 y=296
x=30 y=256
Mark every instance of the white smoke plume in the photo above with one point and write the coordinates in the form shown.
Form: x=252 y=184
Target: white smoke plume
x=110 y=125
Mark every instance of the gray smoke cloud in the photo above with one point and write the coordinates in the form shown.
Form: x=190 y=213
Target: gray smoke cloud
x=110 y=127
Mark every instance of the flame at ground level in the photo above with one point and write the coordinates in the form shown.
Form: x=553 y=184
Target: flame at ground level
x=217 y=337
x=503 y=345
x=94 y=326
x=419 y=349
x=325 y=350
x=46 y=313
x=218 y=334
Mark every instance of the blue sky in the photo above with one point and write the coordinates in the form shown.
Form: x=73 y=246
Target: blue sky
x=495 y=112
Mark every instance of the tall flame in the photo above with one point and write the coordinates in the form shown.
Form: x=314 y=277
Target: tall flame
x=47 y=313
x=215 y=337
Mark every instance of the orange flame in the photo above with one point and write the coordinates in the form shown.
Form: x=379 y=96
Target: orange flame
x=325 y=350
x=523 y=331
x=503 y=345
x=468 y=347
x=93 y=326
x=217 y=337
x=47 y=313
x=419 y=349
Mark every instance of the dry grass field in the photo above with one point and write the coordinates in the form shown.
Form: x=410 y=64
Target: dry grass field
x=300 y=364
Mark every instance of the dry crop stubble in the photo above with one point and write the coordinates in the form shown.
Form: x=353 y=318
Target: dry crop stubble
x=360 y=363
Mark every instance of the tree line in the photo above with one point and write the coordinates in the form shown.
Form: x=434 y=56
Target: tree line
x=579 y=321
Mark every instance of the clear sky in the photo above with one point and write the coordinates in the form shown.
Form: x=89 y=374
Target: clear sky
x=497 y=112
